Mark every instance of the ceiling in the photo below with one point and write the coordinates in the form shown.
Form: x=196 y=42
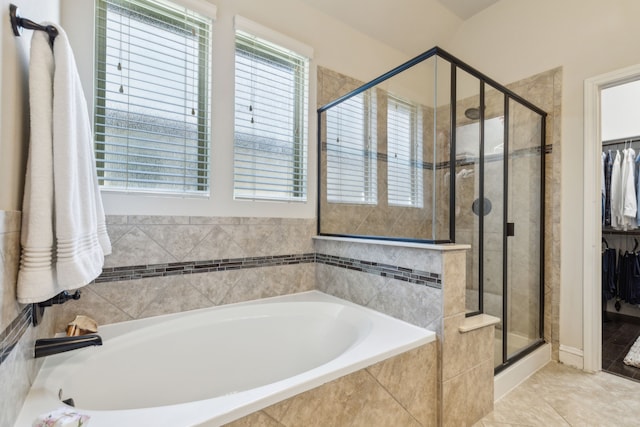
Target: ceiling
x=465 y=9
x=410 y=26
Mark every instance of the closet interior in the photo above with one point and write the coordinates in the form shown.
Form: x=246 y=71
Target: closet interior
x=621 y=257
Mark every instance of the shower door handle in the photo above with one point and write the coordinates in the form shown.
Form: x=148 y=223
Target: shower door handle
x=511 y=229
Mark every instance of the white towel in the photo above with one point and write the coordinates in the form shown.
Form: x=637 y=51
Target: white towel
x=62 y=417
x=64 y=237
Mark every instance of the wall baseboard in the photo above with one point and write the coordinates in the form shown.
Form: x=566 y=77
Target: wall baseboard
x=572 y=356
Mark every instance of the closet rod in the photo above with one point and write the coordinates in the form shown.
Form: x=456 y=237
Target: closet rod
x=634 y=232
x=621 y=141
x=18 y=23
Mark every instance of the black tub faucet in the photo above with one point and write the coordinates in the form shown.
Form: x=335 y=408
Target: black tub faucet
x=49 y=346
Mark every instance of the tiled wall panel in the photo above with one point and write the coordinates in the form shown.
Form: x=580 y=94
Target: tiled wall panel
x=420 y=304
x=17 y=365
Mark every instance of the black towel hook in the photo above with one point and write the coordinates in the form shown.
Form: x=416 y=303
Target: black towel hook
x=18 y=23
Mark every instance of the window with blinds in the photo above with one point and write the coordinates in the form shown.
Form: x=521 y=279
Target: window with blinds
x=152 y=97
x=352 y=151
x=271 y=98
x=404 y=153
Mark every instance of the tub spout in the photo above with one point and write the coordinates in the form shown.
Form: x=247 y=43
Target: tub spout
x=49 y=346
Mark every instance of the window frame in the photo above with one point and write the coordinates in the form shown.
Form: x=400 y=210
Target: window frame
x=369 y=158
x=204 y=124
x=415 y=148
x=272 y=52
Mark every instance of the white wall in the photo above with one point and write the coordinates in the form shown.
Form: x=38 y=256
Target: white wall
x=620 y=111
x=335 y=45
x=517 y=38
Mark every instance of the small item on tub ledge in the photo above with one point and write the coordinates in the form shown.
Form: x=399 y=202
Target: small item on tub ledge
x=62 y=417
x=81 y=325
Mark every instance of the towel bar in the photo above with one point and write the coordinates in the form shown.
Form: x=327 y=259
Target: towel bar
x=37 y=309
x=18 y=23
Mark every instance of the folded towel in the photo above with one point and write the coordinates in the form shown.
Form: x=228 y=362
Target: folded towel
x=64 y=237
x=62 y=417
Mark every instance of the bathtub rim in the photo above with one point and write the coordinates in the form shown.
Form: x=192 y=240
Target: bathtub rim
x=41 y=401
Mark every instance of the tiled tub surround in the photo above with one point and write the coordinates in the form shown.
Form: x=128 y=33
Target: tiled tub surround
x=420 y=305
x=151 y=269
x=219 y=261
x=257 y=354
x=421 y=284
x=400 y=391
x=18 y=368
x=465 y=359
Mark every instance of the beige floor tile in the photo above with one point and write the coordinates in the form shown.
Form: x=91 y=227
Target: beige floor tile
x=559 y=395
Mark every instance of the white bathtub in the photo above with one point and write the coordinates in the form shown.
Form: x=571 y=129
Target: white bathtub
x=217 y=364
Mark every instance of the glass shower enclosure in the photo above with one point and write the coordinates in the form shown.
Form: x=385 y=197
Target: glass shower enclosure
x=435 y=151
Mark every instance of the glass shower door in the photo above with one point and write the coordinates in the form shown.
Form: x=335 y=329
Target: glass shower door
x=525 y=187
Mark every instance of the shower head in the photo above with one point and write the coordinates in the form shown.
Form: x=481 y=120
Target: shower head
x=472 y=113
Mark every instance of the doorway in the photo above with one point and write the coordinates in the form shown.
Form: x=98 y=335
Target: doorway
x=592 y=255
x=620 y=134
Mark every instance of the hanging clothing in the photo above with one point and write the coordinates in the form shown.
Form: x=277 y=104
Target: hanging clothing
x=603 y=160
x=637 y=170
x=609 y=273
x=629 y=277
x=616 y=192
x=608 y=165
x=629 y=198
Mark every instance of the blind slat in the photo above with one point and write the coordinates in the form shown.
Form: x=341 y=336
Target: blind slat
x=270 y=155
x=404 y=165
x=352 y=151
x=152 y=98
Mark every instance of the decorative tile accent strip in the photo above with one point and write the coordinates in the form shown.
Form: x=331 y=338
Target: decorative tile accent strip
x=115 y=274
x=469 y=160
x=385 y=270
x=417 y=277
x=12 y=333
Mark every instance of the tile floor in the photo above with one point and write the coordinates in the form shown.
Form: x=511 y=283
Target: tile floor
x=618 y=335
x=559 y=395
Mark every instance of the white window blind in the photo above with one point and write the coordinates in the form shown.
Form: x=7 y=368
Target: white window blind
x=271 y=102
x=152 y=97
x=352 y=150
x=404 y=153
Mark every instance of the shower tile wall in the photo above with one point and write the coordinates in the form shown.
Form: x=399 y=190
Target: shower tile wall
x=545 y=91
x=17 y=366
x=163 y=242
x=380 y=219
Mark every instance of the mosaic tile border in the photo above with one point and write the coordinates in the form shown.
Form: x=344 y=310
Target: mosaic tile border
x=470 y=160
x=13 y=333
x=417 y=277
x=115 y=274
